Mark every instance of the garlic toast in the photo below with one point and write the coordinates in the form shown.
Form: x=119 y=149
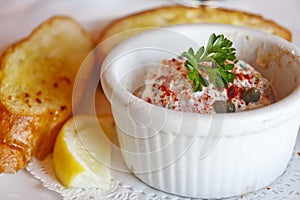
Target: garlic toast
x=36 y=83
x=173 y=15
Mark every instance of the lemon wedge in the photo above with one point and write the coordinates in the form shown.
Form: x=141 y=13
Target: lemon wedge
x=81 y=154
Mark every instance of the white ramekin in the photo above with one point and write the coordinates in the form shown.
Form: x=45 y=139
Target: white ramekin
x=203 y=155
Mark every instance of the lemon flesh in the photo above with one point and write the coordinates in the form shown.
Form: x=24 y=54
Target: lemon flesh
x=81 y=154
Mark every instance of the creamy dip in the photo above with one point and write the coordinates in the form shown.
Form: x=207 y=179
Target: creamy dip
x=168 y=86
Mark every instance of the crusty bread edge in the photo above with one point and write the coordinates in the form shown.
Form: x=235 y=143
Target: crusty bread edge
x=17 y=157
x=106 y=31
x=46 y=22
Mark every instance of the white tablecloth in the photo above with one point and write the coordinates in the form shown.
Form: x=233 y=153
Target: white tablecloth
x=17 y=18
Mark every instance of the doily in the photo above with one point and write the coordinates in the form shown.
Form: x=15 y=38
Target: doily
x=126 y=187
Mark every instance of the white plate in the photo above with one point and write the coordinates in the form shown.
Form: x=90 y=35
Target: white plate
x=17 y=18
x=126 y=186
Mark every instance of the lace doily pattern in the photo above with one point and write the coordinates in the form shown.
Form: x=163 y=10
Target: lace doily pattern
x=126 y=187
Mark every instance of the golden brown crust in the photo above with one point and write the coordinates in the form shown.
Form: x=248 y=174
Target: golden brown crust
x=172 y=15
x=36 y=84
x=17 y=139
x=11 y=159
x=46 y=145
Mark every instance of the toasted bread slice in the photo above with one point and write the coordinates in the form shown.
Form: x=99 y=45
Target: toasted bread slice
x=172 y=15
x=36 y=83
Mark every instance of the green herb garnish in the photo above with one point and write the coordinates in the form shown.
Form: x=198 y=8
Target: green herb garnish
x=218 y=50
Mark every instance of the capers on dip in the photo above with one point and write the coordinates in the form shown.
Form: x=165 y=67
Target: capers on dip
x=169 y=87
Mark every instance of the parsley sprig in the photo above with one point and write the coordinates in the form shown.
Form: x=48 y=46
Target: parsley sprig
x=218 y=50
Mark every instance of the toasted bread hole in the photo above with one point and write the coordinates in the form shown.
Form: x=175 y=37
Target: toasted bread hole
x=63 y=108
x=27 y=95
x=55 y=85
x=39 y=93
x=38 y=100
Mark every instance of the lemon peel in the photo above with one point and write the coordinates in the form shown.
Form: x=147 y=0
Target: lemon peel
x=81 y=154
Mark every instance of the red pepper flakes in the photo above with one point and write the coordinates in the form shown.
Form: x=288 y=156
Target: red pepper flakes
x=298 y=153
x=164 y=96
x=149 y=100
x=166 y=92
x=232 y=92
x=244 y=76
